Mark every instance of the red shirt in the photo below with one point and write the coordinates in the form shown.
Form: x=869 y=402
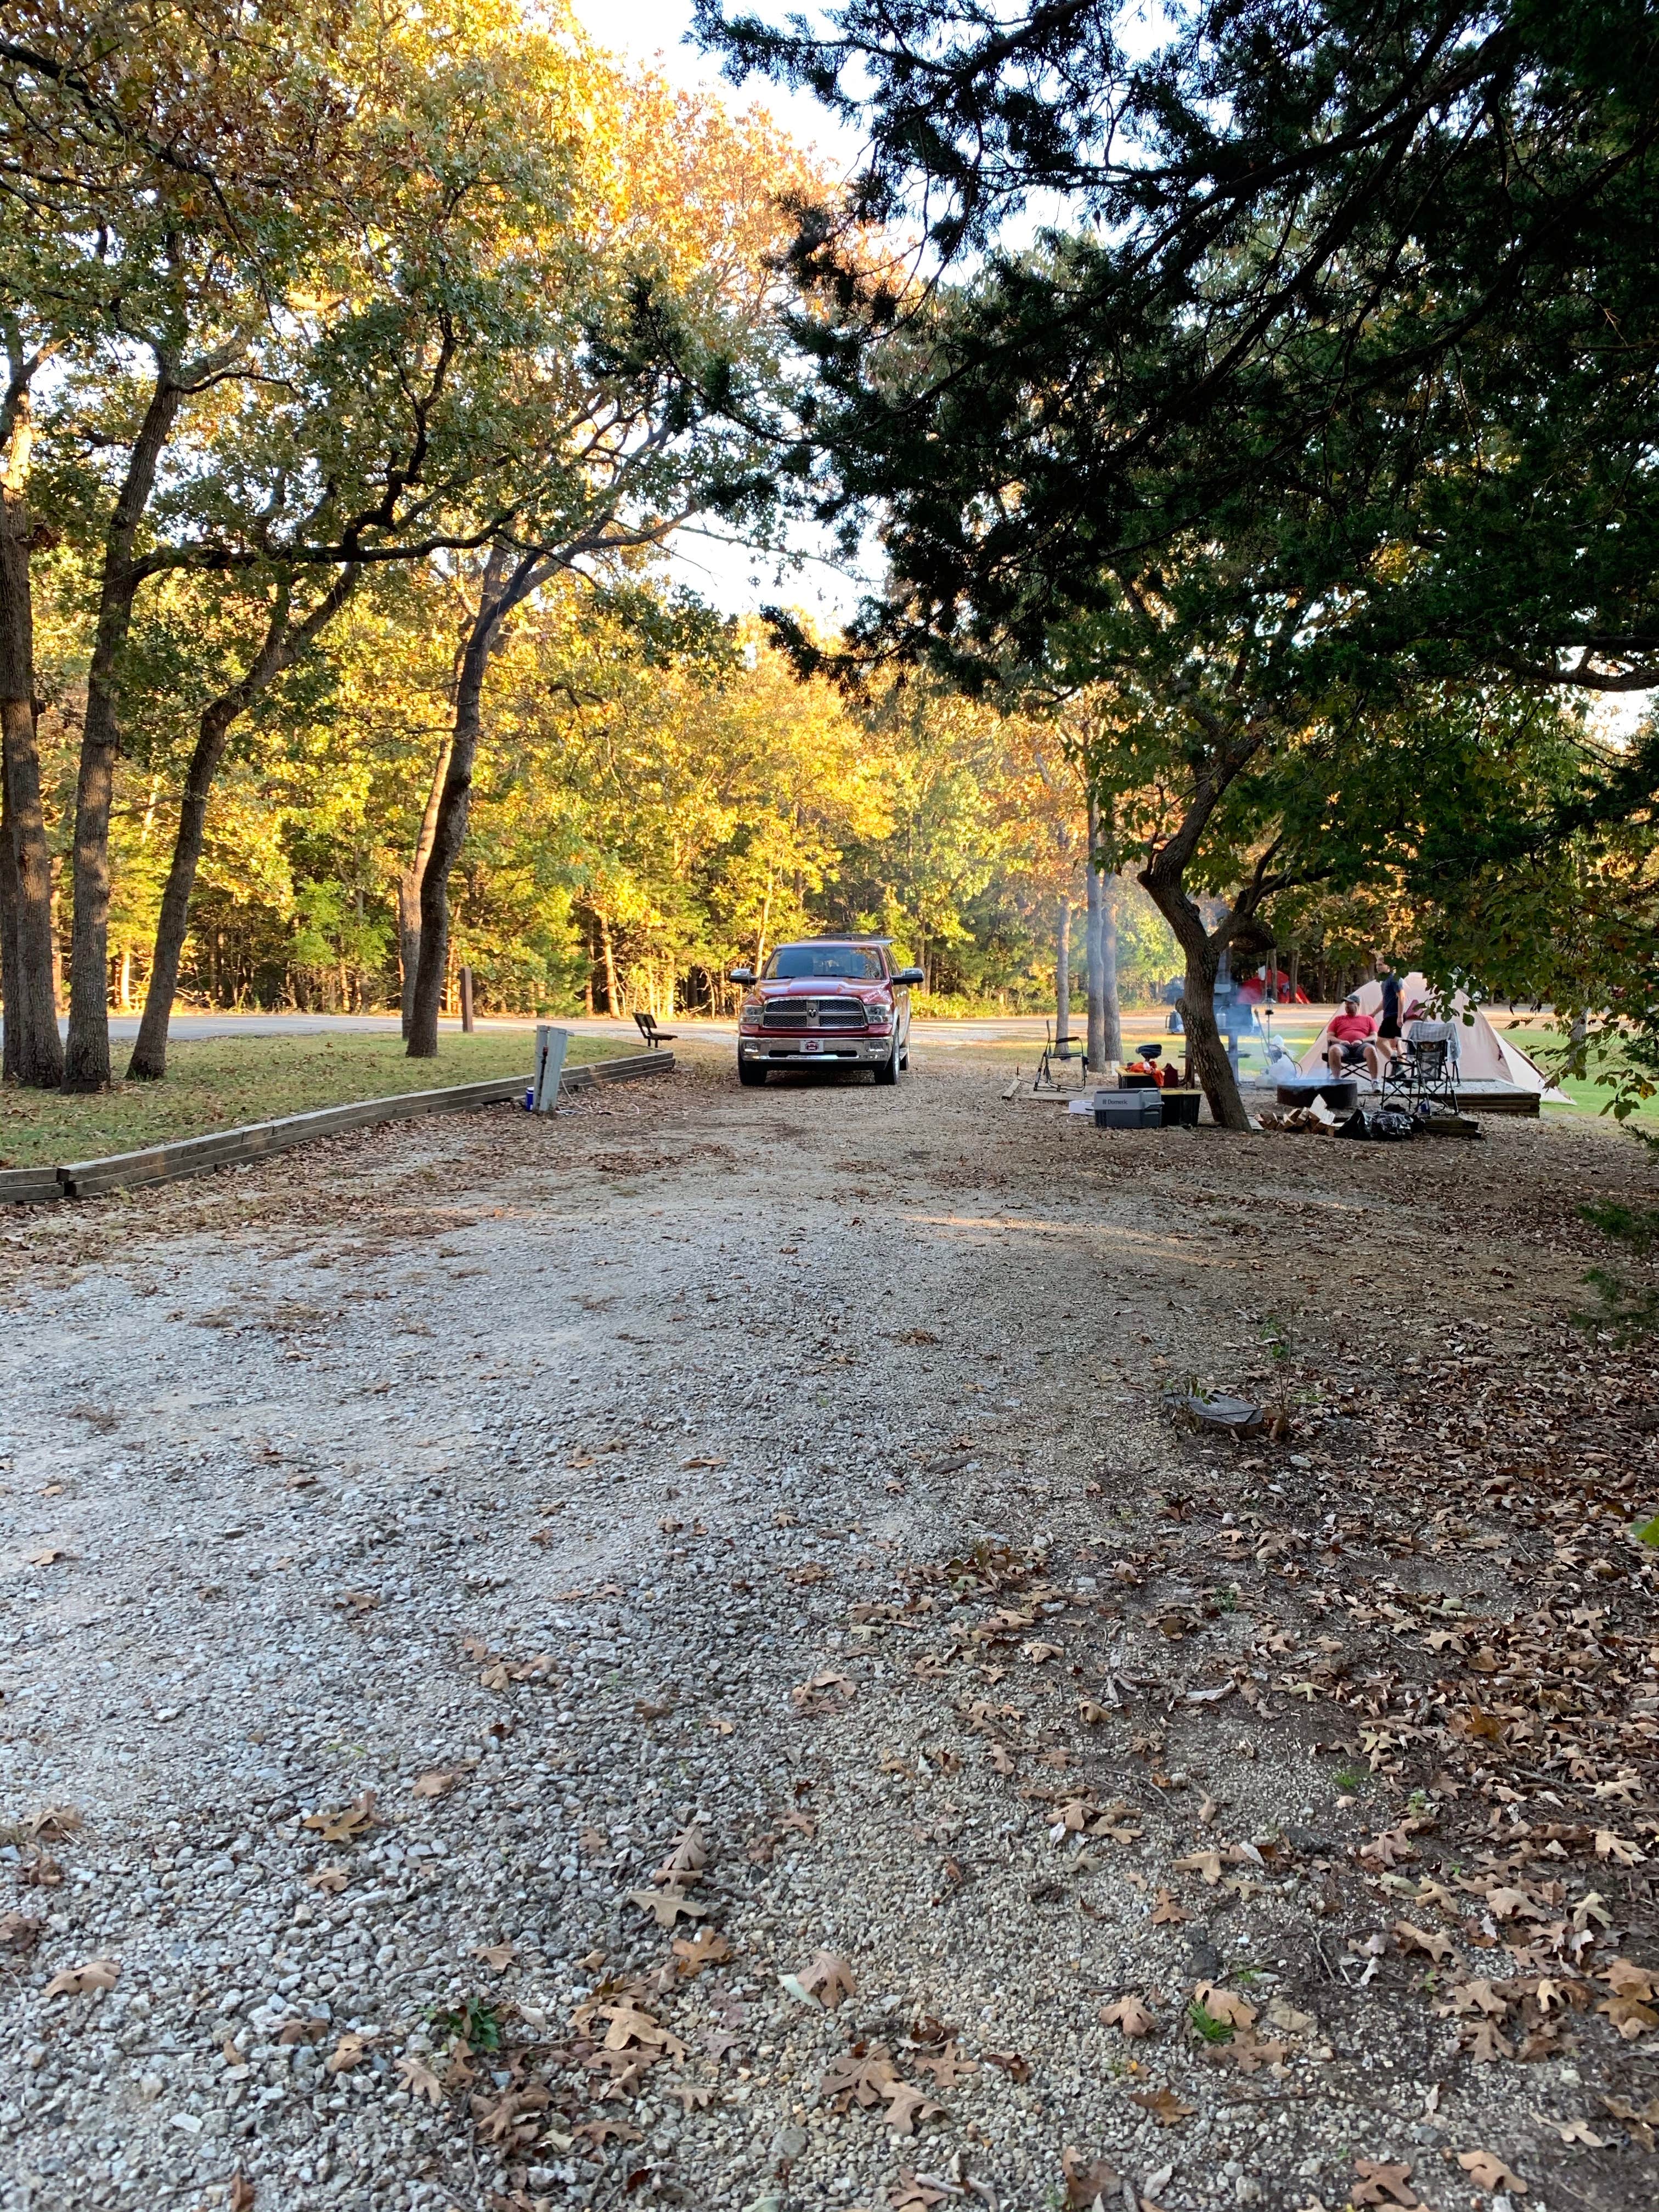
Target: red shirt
x=1353 y=1029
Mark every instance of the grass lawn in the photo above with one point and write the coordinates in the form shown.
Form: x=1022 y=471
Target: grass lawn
x=219 y=1083
x=1588 y=1096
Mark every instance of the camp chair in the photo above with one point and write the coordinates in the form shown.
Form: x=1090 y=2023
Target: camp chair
x=1064 y=1048
x=646 y=1026
x=1426 y=1073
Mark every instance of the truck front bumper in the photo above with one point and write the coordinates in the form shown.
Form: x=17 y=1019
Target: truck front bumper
x=813 y=1052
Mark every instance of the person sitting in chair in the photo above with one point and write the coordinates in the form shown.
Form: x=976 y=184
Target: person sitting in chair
x=1350 y=1043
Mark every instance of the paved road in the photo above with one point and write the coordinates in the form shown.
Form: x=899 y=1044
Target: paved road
x=1010 y=1028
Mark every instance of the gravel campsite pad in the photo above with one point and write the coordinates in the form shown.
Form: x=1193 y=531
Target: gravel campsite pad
x=680 y=1655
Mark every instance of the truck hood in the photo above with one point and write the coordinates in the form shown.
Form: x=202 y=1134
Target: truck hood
x=821 y=987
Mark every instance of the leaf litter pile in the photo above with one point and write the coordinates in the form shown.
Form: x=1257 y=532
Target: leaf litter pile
x=1099 y=1812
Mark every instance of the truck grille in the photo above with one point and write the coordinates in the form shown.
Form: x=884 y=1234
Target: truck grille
x=817 y=1014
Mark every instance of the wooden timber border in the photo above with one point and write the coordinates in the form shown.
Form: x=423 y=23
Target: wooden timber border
x=229 y=1148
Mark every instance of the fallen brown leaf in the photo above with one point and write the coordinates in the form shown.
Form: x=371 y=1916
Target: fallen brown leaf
x=19 y=1932
x=1626 y=1979
x=54 y=1825
x=665 y=1906
x=1629 y=2016
x=688 y=1856
x=346 y=1826
x=1224 y=2004
x=1487 y=2171
x=829 y=1978
x=1382 y=2184
x=1579 y=2131
x=1641 y=2123
x=1087 y=2179
x=1439 y=1948
x=418 y=2078
x=908 y=2106
x=1207 y=1863
x=1165 y=2107
x=706 y=1949
x=81 y=1981
x=1129 y=2015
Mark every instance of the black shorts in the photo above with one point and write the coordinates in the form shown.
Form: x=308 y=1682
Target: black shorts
x=1388 y=1029
x=1353 y=1055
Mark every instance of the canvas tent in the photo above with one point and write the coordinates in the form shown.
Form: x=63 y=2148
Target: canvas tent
x=1483 y=1058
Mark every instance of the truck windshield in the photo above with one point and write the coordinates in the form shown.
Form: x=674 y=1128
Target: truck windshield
x=850 y=962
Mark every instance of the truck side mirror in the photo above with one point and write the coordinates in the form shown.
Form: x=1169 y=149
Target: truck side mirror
x=742 y=975
x=909 y=976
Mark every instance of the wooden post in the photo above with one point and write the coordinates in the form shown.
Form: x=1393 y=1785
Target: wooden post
x=466 y=1001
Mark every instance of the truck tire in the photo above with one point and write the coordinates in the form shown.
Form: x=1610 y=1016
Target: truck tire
x=751 y=1074
x=887 y=1070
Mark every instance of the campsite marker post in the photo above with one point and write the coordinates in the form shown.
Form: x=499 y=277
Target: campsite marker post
x=550 y=1044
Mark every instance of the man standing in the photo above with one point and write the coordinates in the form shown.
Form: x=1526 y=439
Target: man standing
x=1388 y=1043
x=1350 y=1043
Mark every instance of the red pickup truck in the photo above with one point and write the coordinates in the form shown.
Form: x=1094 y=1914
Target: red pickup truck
x=826 y=999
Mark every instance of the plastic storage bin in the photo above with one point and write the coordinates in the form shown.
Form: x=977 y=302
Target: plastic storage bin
x=1129 y=1110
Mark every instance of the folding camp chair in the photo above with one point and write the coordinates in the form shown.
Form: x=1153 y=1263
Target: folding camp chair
x=1060 y=1048
x=1424 y=1075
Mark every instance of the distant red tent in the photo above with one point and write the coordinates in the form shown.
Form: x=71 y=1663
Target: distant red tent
x=1254 y=989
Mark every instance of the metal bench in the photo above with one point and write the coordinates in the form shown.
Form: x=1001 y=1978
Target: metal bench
x=646 y=1026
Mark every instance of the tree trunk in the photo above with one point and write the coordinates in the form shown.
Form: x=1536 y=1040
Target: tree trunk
x=1205 y=1048
x=765 y=921
x=11 y=985
x=1105 y=1028
x=149 y=1063
x=85 y=1058
x=283 y=643
x=1095 y=1011
x=1112 y=1012
x=496 y=599
x=409 y=885
x=1063 y=974
x=35 y=1055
